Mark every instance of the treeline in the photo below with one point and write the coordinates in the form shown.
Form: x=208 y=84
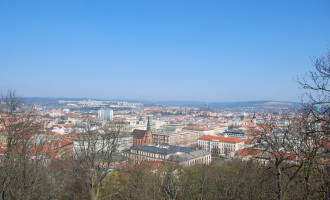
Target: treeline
x=235 y=179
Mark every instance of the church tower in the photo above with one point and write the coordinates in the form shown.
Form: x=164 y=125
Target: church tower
x=148 y=125
x=254 y=119
x=148 y=134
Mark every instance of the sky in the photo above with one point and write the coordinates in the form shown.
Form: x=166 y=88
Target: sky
x=161 y=50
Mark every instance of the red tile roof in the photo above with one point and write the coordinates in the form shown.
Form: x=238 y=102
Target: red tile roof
x=249 y=122
x=43 y=150
x=222 y=139
x=248 y=142
x=248 y=152
x=65 y=142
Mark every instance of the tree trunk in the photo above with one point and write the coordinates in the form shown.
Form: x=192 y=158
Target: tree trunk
x=95 y=190
x=278 y=178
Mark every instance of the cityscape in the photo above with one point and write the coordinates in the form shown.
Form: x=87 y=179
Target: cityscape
x=164 y=100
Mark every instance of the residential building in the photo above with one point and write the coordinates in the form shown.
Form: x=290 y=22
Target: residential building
x=102 y=143
x=235 y=133
x=64 y=149
x=201 y=130
x=168 y=153
x=105 y=115
x=175 y=138
x=220 y=145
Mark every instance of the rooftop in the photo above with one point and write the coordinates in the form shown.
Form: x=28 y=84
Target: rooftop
x=164 y=149
x=222 y=139
x=188 y=156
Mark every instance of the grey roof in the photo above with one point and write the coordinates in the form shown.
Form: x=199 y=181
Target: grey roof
x=116 y=157
x=188 y=156
x=261 y=146
x=170 y=149
x=263 y=155
x=139 y=134
x=235 y=132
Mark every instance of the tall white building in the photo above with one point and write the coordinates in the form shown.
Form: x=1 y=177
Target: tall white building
x=105 y=115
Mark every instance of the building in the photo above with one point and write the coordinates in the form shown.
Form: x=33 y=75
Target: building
x=64 y=149
x=105 y=115
x=175 y=138
x=142 y=137
x=140 y=125
x=201 y=130
x=235 y=133
x=102 y=143
x=168 y=153
x=247 y=153
x=220 y=145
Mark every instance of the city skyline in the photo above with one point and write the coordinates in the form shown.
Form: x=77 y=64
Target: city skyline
x=166 y=51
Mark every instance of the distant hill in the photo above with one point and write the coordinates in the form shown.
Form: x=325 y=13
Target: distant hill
x=235 y=106
x=238 y=106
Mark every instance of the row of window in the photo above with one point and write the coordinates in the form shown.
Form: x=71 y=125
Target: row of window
x=147 y=154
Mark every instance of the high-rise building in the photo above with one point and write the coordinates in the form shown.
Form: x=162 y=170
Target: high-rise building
x=105 y=115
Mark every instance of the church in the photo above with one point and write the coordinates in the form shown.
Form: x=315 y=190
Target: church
x=142 y=137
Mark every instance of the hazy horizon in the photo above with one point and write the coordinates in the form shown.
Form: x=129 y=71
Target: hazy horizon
x=153 y=100
x=220 y=51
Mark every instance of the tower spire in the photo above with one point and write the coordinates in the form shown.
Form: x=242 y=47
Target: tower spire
x=148 y=124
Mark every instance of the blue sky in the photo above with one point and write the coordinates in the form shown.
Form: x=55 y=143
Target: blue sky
x=160 y=50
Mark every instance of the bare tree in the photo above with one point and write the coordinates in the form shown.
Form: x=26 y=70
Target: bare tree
x=195 y=182
x=281 y=155
x=95 y=149
x=316 y=84
x=297 y=148
x=69 y=179
x=170 y=180
x=139 y=181
x=21 y=165
x=315 y=121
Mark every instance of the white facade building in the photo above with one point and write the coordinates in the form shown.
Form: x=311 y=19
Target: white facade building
x=220 y=145
x=102 y=143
